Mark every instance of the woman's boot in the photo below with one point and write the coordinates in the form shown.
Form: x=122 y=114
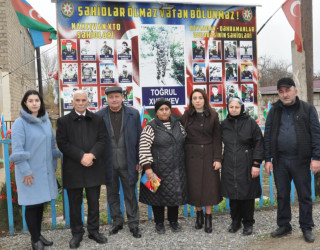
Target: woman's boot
x=208 y=223
x=199 y=221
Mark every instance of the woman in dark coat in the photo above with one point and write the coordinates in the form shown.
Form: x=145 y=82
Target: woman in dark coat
x=243 y=154
x=161 y=152
x=203 y=156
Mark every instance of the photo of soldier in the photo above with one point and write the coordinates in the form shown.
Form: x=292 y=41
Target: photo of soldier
x=247 y=92
x=232 y=90
x=246 y=50
x=246 y=72
x=161 y=52
x=214 y=50
x=106 y=50
x=198 y=50
x=216 y=94
x=230 y=50
x=161 y=55
x=92 y=93
x=125 y=72
x=107 y=73
x=231 y=72
x=221 y=113
x=69 y=49
x=215 y=72
x=69 y=73
x=88 y=73
x=199 y=72
x=251 y=110
x=87 y=50
x=67 y=96
x=103 y=97
x=127 y=93
x=124 y=49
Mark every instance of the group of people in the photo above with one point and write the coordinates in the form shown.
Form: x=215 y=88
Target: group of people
x=186 y=154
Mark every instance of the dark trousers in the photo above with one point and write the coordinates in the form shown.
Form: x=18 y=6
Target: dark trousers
x=158 y=213
x=130 y=199
x=242 y=210
x=33 y=215
x=75 y=196
x=285 y=171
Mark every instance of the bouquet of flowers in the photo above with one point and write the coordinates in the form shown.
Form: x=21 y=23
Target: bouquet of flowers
x=152 y=184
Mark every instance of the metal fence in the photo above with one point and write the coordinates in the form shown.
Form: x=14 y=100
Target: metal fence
x=187 y=209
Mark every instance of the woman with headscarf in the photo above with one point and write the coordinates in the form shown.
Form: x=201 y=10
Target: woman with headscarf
x=243 y=154
x=203 y=157
x=161 y=153
x=34 y=154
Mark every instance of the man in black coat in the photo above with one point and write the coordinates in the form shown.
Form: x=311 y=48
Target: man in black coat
x=81 y=137
x=123 y=125
x=292 y=148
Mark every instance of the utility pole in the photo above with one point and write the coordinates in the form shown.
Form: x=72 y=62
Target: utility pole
x=307 y=39
x=302 y=63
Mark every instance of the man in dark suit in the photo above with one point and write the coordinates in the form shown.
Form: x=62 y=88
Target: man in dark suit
x=123 y=126
x=69 y=51
x=81 y=137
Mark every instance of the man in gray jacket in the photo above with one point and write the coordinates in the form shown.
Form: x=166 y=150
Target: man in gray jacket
x=124 y=129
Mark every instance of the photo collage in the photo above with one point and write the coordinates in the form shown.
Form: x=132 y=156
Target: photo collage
x=224 y=69
x=93 y=65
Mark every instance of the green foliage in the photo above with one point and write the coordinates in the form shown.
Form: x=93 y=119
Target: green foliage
x=266 y=203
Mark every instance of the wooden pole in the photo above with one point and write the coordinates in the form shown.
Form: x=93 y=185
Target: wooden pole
x=307 y=40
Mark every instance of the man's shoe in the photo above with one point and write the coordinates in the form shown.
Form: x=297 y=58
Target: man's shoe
x=160 y=228
x=308 y=236
x=37 y=245
x=45 y=241
x=75 y=241
x=247 y=230
x=98 y=237
x=135 y=232
x=280 y=232
x=234 y=227
x=175 y=227
x=115 y=229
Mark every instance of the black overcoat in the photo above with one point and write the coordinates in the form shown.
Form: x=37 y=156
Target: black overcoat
x=75 y=137
x=243 y=143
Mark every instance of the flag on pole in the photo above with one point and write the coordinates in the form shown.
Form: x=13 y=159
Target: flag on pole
x=4 y=127
x=291 y=9
x=144 y=117
x=266 y=110
x=41 y=31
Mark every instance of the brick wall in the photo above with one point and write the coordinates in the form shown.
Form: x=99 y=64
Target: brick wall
x=16 y=56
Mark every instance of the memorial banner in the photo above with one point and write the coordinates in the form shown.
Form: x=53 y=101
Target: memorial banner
x=155 y=50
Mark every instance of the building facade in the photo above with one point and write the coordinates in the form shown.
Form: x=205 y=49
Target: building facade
x=17 y=62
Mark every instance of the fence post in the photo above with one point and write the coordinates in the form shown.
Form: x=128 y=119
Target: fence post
x=8 y=184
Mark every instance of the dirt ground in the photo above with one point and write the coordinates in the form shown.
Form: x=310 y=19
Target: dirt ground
x=294 y=241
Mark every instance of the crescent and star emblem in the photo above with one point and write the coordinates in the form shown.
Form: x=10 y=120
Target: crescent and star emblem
x=30 y=14
x=293 y=5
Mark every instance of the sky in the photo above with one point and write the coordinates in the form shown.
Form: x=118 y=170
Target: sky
x=274 y=40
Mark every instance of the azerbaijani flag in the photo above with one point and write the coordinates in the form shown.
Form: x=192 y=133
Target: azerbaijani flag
x=40 y=30
x=3 y=126
x=144 y=117
x=266 y=110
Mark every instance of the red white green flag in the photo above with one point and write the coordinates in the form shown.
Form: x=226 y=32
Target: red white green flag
x=41 y=31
